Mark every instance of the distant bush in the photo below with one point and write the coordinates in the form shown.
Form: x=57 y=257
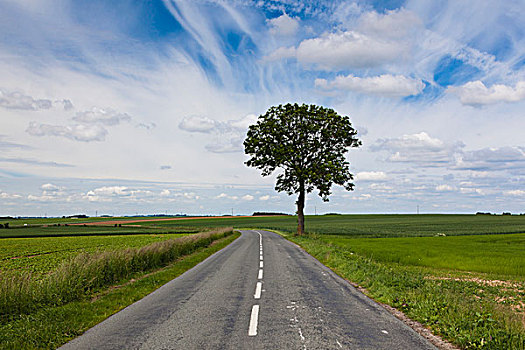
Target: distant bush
x=1 y=225
x=506 y=213
x=482 y=213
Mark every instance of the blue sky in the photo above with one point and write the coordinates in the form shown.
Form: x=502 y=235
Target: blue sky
x=128 y=107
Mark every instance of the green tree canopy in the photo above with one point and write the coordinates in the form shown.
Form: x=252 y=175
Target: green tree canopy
x=309 y=144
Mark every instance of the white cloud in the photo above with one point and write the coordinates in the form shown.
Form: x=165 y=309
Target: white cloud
x=471 y=190
x=419 y=148
x=386 y=85
x=165 y=193
x=475 y=93
x=445 y=188
x=17 y=100
x=49 y=187
x=247 y=197
x=371 y=176
x=284 y=25
x=78 y=132
x=198 y=124
x=347 y=50
x=112 y=191
x=5 y=195
x=377 y=39
x=515 y=193
x=102 y=116
x=264 y=198
x=225 y=196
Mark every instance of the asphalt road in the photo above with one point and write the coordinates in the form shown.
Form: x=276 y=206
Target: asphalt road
x=260 y=292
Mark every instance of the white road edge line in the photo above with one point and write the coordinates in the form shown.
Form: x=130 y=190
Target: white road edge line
x=252 y=330
x=258 y=290
x=261 y=265
x=260 y=274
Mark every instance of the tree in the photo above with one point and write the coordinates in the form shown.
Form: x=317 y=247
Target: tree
x=309 y=144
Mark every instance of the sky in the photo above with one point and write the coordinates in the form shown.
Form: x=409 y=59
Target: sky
x=131 y=107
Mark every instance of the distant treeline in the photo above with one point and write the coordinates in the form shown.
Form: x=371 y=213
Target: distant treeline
x=488 y=213
x=261 y=213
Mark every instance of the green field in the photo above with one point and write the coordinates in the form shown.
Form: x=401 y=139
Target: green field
x=358 y=226
x=42 y=254
x=462 y=276
x=494 y=254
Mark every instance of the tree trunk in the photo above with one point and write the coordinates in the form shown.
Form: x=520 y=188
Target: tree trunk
x=300 y=210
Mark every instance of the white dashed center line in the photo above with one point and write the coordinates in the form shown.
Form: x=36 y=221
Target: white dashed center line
x=252 y=330
x=258 y=290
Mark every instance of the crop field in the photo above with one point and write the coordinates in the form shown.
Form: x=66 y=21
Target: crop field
x=462 y=276
x=40 y=255
x=371 y=225
x=493 y=254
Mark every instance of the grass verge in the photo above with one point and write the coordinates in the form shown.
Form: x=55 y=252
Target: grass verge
x=455 y=308
x=33 y=329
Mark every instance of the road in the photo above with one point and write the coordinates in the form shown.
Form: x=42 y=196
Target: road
x=260 y=292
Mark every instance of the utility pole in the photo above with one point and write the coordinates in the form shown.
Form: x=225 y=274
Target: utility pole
x=232 y=211
x=418 y=209
x=315 y=210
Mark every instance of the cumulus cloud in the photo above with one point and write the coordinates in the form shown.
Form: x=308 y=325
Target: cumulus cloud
x=386 y=85
x=247 y=197
x=225 y=196
x=17 y=100
x=347 y=50
x=377 y=39
x=419 y=148
x=77 y=132
x=49 y=187
x=112 y=191
x=264 y=198
x=5 y=195
x=284 y=25
x=102 y=116
x=475 y=93
x=371 y=176
x=198 y=124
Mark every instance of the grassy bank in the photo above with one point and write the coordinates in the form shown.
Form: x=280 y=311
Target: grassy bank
x=34 y=331
x=472 y=310
x=85 y=274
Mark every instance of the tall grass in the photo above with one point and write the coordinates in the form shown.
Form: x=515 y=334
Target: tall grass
x=81 y=276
